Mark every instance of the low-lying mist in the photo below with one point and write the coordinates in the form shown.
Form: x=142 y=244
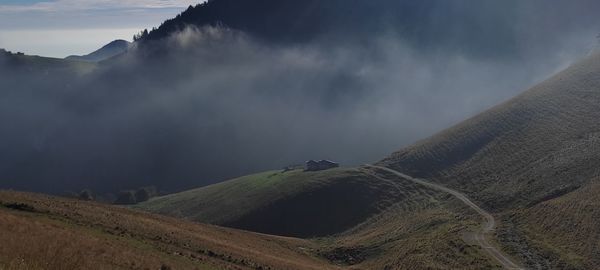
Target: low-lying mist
x=211 y=103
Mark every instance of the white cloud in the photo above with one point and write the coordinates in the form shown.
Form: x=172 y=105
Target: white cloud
x=75 y=5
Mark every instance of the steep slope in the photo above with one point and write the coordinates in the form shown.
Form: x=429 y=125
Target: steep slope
x=534 y=160
x=109 y=50
x=43 y=232
x=540 y=144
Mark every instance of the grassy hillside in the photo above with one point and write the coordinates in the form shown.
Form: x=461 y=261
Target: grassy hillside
x=28 y=64
x=293 y=203
x=43 y=232
x=427 y=230
x=364 y=217
x=539 y=144
x=532 y=160
x=423 y=229
x=564 y=231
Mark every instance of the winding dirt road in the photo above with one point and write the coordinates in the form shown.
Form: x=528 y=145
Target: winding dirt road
x=488 y=226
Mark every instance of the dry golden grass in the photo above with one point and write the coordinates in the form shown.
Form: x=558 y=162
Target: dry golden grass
x=423 y=231
x=68 y=234
x=418 y=228
x=563 y=231
x=430 y=238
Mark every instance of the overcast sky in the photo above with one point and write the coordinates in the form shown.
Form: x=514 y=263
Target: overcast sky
x=59 y=28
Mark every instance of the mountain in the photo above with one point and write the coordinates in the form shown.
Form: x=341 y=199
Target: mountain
x=482 y=30
x=534 y=160
x=247 y=86
x=477 y=30
x=109 y=50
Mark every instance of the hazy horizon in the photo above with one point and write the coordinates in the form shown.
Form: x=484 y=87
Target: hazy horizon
x=59 y=28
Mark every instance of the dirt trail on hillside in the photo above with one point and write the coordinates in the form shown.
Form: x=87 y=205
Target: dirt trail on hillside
x=488 y=226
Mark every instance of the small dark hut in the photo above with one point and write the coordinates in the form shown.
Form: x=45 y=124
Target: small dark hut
x=320 y=165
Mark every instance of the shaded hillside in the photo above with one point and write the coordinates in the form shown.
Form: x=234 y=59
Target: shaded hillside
x=534 y=147
x=43 y=232
x=109 y=50
x=293 y=203
x=366 y=218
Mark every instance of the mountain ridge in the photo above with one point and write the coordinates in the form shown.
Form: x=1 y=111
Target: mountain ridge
x=300 y=22
x=107 y=51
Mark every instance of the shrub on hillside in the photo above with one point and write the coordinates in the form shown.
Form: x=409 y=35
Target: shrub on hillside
x=86 y=195
x=126 y=197
x=144 y=194
x=136 y=196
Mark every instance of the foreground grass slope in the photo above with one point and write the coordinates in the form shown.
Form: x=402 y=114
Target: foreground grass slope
x=43 y=232
x=421 y=229
x=534 y=160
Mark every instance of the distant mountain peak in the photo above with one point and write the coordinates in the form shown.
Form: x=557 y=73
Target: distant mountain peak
x=109 y=50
